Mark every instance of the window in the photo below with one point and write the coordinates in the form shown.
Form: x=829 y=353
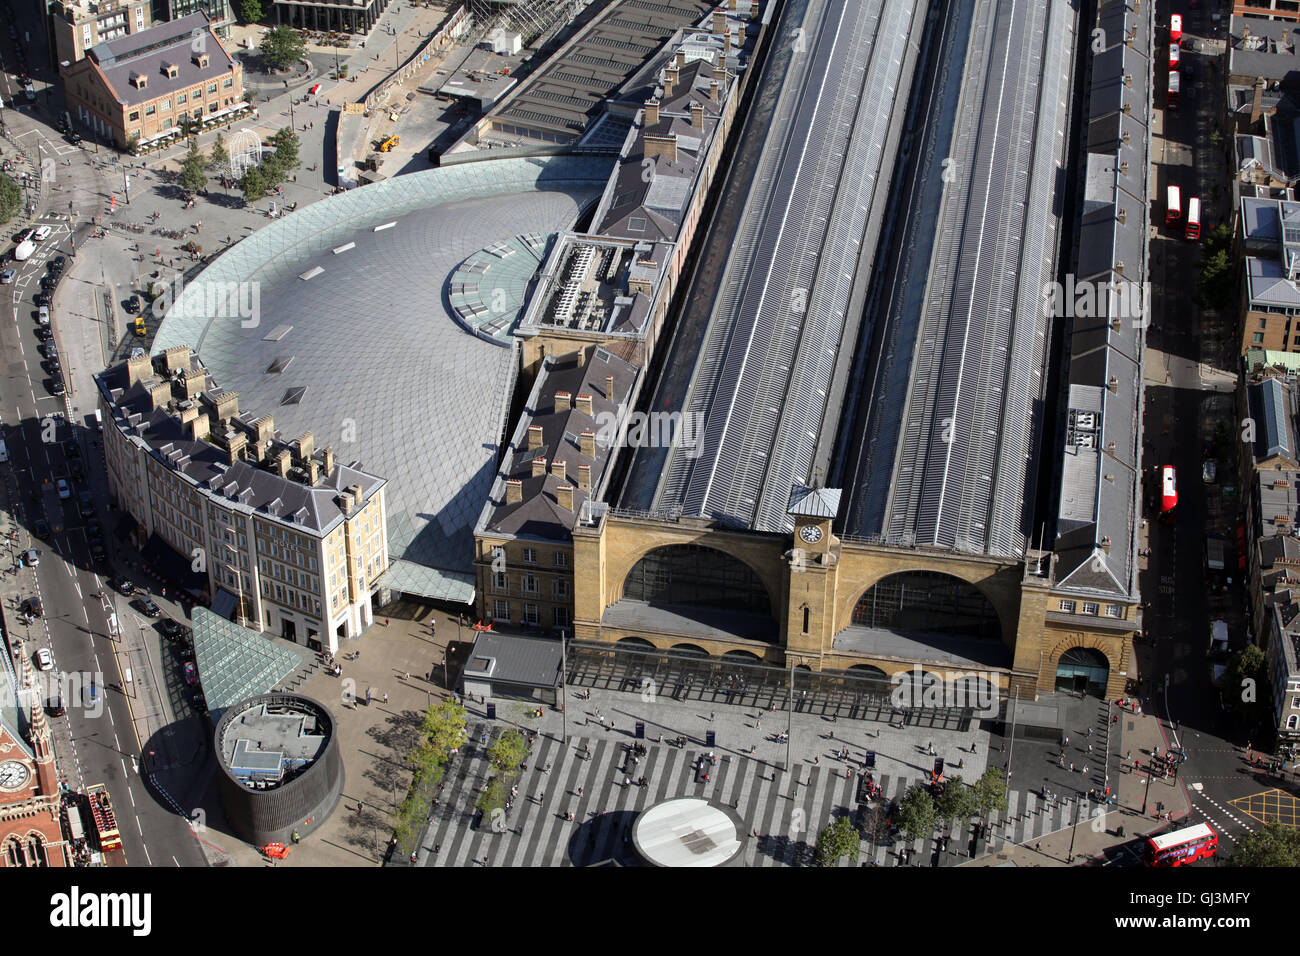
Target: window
x=139 y=18
x=1114 y=610
x=165 y=104
x=530 y=556
x=1263 y=324
x=181 y=98
x=135 y=116
x=530 y=584
x=1295 y=703
x=530 y=613
x=500 y=582
x=228 y=83
x=212 y=89
x=1292 y=722
x=1257 y=338
x=501 y=610
x=1067 y=607
x=636 y=223
x=1090 y=608
x=149 y=110
x=561 y=559
x=562 y=617
x=561 y=588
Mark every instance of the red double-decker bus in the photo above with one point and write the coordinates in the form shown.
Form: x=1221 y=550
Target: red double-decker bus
x=1181 y=847
x=1175 y=30
x=1175 y=56
x=1193 y=230
x=1168 y=489
x=1173 y=205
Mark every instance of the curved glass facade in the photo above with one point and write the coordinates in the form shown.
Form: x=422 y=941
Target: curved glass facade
x=928 y=602
x=688 y=575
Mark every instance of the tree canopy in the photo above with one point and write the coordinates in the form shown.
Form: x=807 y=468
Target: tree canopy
x=11 y=198
x=193 y=169
x=1273 y=845
x=838 y=840
x=282 y=47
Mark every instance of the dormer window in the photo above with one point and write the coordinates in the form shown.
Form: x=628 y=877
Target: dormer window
x=200 y=60
x=139 y=80
x=170 y=70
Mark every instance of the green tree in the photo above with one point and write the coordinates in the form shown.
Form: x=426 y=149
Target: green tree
x=507 y=752
x=282 y=47
x=837 y=840
x=250 y=11
x=253 y=185
x=990 y=792
x=133 y=142
x=916 y=813
x=957 y=802
x=442 y=732
x=219 y=157
x=11 y=198
x=1274 y=845
x=1217 y=279
x=286 y=150
x=193 y=176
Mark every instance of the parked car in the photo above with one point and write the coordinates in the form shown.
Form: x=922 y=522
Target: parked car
x=44 y=659
x=123 y=585
x=31 y=558
x=77 y=471
x=8 y=276
x=57 y=386
x=1208 y=472
x=41 y=298
x=32 y=607
x=85 y=500
x=171 y=629
x=43 y=233
x=64 y=489
x=146 y=605
x=41 y=528
x=43 y=315
x=57 y=263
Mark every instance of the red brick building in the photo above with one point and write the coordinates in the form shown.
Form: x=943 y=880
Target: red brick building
x=31 y=832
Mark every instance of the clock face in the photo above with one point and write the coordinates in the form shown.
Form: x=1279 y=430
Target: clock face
x=13 y=774
x=810 y=533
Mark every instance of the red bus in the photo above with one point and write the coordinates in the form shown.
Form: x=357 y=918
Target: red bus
x=1168 y=489
x=1175 y=55
x=1173 y=206
x=1193 y=230
x=1182 y=846
x=1175 y=29
x=1174 y=83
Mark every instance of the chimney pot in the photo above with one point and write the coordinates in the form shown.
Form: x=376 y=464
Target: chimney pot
x=584 y=406
x=584 y=477
x=563 y=401
x=681 y=59
x=609 y=389
x=559 y=469
x=652 y=112
x=587 y=443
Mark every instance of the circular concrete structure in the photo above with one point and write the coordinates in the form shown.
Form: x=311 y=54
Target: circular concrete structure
x=344 y=319
x=281 y=770
x=688 y=831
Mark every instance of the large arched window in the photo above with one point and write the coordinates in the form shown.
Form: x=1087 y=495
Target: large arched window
x=688 y=575
x=928 y=602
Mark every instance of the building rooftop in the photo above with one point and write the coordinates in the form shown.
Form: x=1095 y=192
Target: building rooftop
x=268 y=742
x=509 y=658
x=355 y=342
x=149 y=53
x=688 y=831
x=1266 y=48
x=558 y=457
x=149 y=404
x=236 y=663
x=570 y=90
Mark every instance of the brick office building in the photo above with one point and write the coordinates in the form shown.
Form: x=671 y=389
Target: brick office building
x=147 y=86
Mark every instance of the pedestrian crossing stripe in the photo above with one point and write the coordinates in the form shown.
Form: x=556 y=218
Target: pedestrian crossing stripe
x=786 y=809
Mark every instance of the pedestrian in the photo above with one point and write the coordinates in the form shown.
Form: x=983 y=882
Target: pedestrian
x=972 y=748
x=711 y=716
x=408 y=675
x=1084 y=771
x=1038 y=845
x=579 y=791
x=1071 y=768
x=627 y=782
x=1089 y=748
x=547 y=768
x=385 y=697
x=817 y=759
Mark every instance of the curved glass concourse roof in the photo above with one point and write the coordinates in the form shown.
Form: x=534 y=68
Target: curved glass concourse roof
x=342 y=327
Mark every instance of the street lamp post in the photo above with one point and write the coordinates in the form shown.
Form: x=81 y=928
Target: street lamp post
x=564 y=692
x=1074 y=828
x=789 y=719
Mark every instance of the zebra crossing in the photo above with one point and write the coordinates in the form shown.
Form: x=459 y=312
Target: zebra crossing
x=786 y=810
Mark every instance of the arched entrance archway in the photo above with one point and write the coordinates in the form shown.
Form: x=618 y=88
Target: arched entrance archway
x=928 y=602
x=638 y=642
x=689 y=575
x=742 y=657
x=1083 y=670
x=688 y=650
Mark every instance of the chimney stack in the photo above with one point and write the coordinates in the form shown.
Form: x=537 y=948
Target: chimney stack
x=138 y=370
x=282 y=461
x=514 y=491
x=681 y=59
x=584 y=477
x=539 y=466
x=697 y=116
x=534 y=436
x=1257 y=104
x=328 y=464
x=720 y=22
x=665 y=146
x=584 y=404
x=651 y=112
x=715 y=91
x=200 y=425
x=564 y=496
x=609 y=389
x=559 y=469
x=587 y=443
x=235 y=447
x=563 y=401
x=305 y=446
x=670 y=81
